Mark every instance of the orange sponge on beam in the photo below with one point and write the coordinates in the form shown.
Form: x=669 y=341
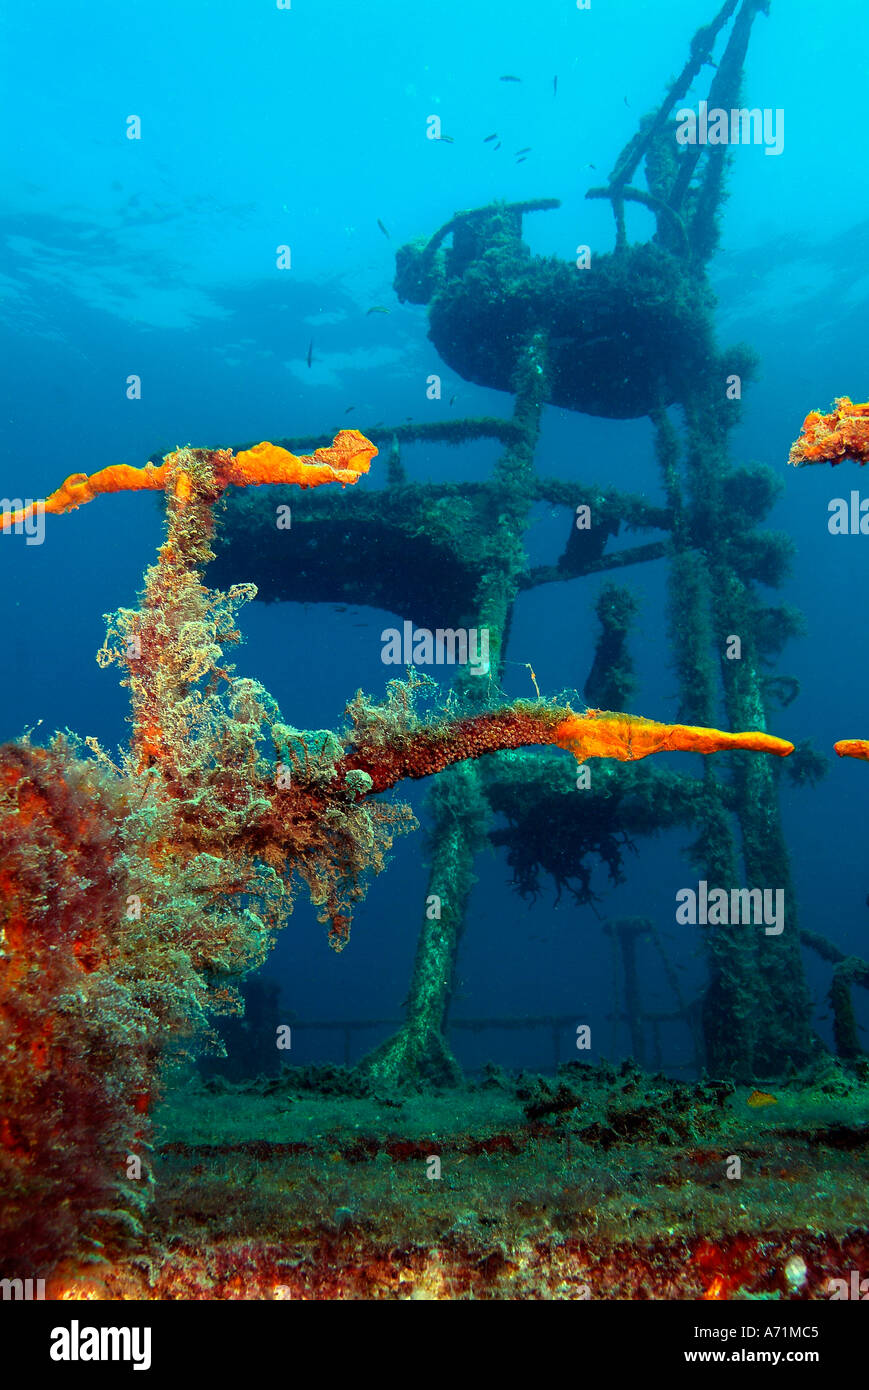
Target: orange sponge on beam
x=349 y=455
x=601 y=734
x=343 y=462
x=79 y=488
x=853 y=748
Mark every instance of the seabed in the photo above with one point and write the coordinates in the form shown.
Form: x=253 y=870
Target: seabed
x=599 y=1182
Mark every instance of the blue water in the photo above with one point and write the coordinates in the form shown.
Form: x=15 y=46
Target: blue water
x=156 y=257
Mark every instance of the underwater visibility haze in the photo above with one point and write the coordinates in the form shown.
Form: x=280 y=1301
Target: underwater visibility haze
x=444 y=427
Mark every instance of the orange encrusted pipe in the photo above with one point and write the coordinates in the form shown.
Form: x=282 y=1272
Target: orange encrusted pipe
x=593 y=734
x=79 y=488
x=844 y=433
x=602 y=734
x=343 y=462
x=349 y=455
x=853 y=748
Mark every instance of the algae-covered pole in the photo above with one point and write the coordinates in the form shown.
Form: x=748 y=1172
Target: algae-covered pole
x=727 y=1013
x=780 y=1001
x=419 y=1052
x=611 y=682
x=723 y=93
x=626 y=930
x=849 y=971
x=700 y=235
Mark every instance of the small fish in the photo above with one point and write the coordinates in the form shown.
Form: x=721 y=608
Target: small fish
x=493 y=136
x=555 y=86
x=526 y=150
x=383 y=229
x=498 y=146
x=310 y=352
x=522 y=160
x=509 y=78
x=452 y=400
x=627 y=103
x=759 y=1098
x=349 y=408
x=377 y=309
x=446 y=139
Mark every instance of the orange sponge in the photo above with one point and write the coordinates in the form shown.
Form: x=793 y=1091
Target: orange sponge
x=348 y=456
x=844 y=433
x=602 y=734
x=853 y=748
